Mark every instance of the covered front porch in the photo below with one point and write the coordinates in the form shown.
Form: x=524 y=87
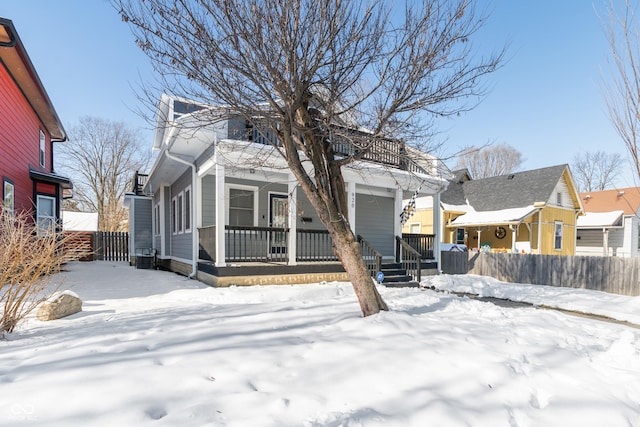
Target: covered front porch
x=509 y=230
x=273 y=252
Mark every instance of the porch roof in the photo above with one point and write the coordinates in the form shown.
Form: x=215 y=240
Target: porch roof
x=611 y=219
x=512 y=216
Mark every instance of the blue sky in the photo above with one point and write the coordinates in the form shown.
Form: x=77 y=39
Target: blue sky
x=545 y=101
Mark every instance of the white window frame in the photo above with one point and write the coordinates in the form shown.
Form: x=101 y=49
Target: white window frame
x=174 y=214
x=412 y=225
x=180 y=214
x=8 y=197
x=253 y=188
x=39 y=217
x=559 y=198
x=557 y=224
x=43 y=151
x=156 y=219
x=186 y=210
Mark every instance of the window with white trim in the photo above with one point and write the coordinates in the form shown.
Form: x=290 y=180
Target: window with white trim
x=174 y=216
x=557 y=245
x=415 y=228
x=242 y=207
x=43 y=144
x=156 y=219
x=187 y=209
x=46 y=214
x=180 y=219
x=8 y=197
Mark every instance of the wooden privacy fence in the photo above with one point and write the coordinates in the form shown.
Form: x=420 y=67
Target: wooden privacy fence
x=112 y=246
x=607 y=274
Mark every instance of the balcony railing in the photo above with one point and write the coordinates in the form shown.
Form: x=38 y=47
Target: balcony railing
x=388 y=152
x=138 y=183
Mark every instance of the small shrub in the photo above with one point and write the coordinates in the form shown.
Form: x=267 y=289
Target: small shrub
x=27 y=260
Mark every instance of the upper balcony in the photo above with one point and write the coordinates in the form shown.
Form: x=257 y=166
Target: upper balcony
x=387 y=152
x=138 y=182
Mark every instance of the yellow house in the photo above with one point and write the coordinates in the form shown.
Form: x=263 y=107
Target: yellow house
x=533 y=211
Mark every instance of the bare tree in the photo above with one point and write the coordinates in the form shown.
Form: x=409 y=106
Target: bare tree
x=621 y=92
x=314 y=72
x=101 y=156
x=596 y=171
x=491 y=160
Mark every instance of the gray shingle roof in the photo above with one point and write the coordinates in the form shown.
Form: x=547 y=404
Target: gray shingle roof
x=454 y=194
x=514 y=190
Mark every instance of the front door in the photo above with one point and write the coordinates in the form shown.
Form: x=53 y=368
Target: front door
x=278 y=218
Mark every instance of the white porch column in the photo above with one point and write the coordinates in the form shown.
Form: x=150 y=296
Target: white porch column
x=293 y=218
x=479 y=238
x=221 y=207
x=437 y=230
x=351 y=200
x=539 y=232
x=163 y=219
x=397 y=210
x=514 y=230
x=605 y=241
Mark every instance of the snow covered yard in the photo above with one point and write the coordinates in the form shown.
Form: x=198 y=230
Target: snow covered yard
x=153 y=348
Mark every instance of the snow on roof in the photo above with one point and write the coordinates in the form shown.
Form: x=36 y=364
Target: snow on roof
x=79 y=221
x=600 y=219
x=504 y=216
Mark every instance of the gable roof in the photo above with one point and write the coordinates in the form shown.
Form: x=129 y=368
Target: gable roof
x=14 y=57
x=622 y=199
x=509 y=191
x=453 y=197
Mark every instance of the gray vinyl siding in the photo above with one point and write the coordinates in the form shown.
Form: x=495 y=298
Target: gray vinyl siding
x=591 y=242
x=143 y=229
x=181 y=243
x=374 y=222
x=304 y=209
x=263 y=196
x=208 y=193
x=307 y=211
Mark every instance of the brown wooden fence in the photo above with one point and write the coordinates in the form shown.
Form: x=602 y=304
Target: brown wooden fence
x=112 y=246
x=607 y=274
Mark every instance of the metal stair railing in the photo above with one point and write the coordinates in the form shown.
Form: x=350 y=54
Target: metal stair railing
x=409 y=258
x=372 y=258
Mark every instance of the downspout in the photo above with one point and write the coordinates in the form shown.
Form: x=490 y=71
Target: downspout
x=194 y=235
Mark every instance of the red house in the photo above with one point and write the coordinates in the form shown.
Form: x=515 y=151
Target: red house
x=28 y=127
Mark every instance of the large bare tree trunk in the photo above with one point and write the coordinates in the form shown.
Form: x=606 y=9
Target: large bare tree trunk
x=349 y=253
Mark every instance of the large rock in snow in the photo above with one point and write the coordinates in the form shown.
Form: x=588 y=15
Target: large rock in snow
x=60 y=305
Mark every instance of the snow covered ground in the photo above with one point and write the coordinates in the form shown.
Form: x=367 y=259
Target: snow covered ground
x=153 y=348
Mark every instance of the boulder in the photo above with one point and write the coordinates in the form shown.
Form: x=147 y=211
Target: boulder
x=59 y=305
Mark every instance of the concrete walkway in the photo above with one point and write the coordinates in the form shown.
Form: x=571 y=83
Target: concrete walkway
x=520 y=304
